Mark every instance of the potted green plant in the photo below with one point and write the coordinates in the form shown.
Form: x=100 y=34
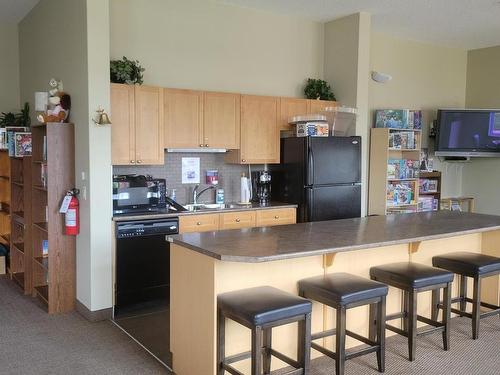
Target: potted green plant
x=23 y=118
x=318 y=89
x=7 y=119
x=126 y=71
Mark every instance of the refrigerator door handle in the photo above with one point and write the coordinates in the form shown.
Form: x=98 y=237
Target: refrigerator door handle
x=310 y=167
x=309 y=204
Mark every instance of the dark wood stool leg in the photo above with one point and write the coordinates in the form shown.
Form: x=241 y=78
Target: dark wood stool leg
x=304 y=344
x=221 y=341
x=340 y=340
x=381 y=334
x=446 y=316
x=405 y=308
x=476 y=304
x=266 y=362
x=256 y=350
x=463 y=293
x=435 y=304
x=412 y=324
x=372 y=324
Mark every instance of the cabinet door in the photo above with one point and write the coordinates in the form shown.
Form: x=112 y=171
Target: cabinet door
x=237 y=220
x=259 y=129
x=198 y=223
x=183 y=118
x=221 y=120
x=123 y=128
x=290 y=107
x=317 y=106
x=149 y=125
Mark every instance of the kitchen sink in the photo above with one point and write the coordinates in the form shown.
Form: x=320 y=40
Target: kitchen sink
x=210 y=206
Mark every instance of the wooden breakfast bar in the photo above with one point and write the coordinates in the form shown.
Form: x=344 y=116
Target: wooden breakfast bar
x=206 y=264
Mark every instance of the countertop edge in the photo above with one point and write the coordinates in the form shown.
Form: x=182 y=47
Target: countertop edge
x=262 y=259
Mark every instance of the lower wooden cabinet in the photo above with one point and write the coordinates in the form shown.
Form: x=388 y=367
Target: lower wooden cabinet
x=198 y=223
x=236 y=220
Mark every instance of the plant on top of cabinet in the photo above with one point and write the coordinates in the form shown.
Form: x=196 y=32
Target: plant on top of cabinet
x=126 y=71
x=318 y=89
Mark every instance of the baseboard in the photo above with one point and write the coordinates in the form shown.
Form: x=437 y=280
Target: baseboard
x=94 y=316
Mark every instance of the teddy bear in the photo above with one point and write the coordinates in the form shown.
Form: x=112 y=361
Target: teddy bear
x=59 y=104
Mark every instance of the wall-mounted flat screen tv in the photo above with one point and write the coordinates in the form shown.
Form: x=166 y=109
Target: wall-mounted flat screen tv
x=467 y=132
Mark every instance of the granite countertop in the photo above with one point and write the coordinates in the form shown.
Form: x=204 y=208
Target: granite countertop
x=264 y=244
x=173 y=213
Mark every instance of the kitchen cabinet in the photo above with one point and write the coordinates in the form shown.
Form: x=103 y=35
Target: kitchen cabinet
x=198 y=223
x=259 y=134
x=290 y=107
x=221 y=120
x=137 y=131
x=280 y=216
x=183 y=118
x=237 y=220
x=316 y=106
x=195 y=119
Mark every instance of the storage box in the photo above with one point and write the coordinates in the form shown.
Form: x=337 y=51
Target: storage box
x=312 y=129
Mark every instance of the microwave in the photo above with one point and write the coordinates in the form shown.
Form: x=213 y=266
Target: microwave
x=138 y=193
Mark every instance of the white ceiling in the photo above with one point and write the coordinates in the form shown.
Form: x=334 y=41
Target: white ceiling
x=13 y=11
x=456 y=23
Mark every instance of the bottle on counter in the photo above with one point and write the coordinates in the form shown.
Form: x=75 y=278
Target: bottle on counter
x=172 y=195
x=219 y=196
x=245 y=189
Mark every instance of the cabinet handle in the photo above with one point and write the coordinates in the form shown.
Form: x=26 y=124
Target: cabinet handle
x=276 y=217
x=139 y=161
x=206 y=145
x=238 y=220
x=201 y=144
x=243 y=160
x=132 y=161
x=198 y=223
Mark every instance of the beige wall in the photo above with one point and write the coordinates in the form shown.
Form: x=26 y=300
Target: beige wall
x=481 y=177
x=205 y=45
x=9 y=68
x=425 y=77
x=82 y=62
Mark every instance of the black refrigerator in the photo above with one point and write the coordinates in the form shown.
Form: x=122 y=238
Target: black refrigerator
x=322 y=175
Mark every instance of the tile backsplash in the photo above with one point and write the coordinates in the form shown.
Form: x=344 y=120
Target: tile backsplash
x=229 y=175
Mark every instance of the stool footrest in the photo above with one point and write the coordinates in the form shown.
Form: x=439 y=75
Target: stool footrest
x=320 y=335
x=490 y=313
x=348 y=355
x=333 y=332
x=231 y=369
x=430 y=331
x=428 y=321
x=395 y=316
x=396 y=330
x=285 y=358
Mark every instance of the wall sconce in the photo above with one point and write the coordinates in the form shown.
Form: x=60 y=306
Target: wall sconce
x=102 y=117
x=381 y=77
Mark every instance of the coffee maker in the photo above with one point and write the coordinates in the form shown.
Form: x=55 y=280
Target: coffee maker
x=261 y=186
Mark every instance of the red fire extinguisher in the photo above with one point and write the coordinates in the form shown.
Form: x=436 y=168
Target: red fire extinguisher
x=72 y=217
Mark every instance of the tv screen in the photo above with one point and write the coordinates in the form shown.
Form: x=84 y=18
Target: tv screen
x=471 y=132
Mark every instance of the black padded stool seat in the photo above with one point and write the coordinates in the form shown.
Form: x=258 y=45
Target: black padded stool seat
x=410 y=275
x=261 y=309
x=413 y=278
x=343 y=288
x=261 y=305
x=343 y=291
x=466 y=265
x=469 y=264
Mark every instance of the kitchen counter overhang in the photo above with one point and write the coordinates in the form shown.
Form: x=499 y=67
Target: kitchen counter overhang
x=265 y=244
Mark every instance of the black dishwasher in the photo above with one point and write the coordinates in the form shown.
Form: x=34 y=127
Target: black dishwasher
x=142 y=265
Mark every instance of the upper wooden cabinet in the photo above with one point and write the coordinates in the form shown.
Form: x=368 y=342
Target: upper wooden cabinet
x=196 y=119
x=183 y=122
x=259 y=139
x=290 y=107
x=221 y=120
x=137 y=130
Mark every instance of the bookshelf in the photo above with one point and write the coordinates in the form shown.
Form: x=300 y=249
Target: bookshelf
x=389 y=175
x=4 y=198
x=429 y=190
x=53 y=174
x=20 y=232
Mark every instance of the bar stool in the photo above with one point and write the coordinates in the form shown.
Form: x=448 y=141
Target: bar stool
x=466 y=265
x=414 y=278
x=261 y=309
x=344 y=291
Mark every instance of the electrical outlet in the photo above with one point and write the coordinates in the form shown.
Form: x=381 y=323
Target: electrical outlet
x=84 y=193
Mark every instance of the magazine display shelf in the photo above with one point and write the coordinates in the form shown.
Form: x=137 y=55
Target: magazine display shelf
x=4 y=198
x=389 y=148
x=53 y=174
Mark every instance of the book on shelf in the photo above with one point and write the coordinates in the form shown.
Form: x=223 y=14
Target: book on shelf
x=44 y=150
x=45 y=248
x=428 y=203
x=402 y=140
x=43 y=174
x=401 y=193
x=10 y=138
x=398 y=119
x=22 y=144
x=428 y=185
x=402 y=169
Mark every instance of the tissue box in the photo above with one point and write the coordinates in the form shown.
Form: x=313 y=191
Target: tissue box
x=312 y=129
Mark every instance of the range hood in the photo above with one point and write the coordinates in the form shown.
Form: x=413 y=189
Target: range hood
x=198 y=150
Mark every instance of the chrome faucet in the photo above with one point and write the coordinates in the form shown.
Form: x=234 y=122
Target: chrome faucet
x=196 y=195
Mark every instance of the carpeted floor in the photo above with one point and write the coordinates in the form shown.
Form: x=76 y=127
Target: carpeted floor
x=32 y=342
